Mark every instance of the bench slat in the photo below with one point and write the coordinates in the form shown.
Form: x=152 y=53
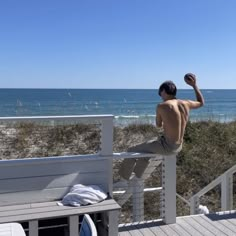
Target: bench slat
x=37 y=196
x=60 y=167
x=49 y=182
x=38 y=213
x=38 y=183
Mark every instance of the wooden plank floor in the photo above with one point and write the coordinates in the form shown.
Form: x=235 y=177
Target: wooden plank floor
x=222 y=223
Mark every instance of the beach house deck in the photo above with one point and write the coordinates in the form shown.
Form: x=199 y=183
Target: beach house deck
x=222 y=223
x=136 y=217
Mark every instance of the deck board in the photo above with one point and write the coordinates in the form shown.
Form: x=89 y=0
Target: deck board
x=222 y=223
x=157 y=230
x=200 y=228
x=168 y=230
x=229 y=225
x=188 y=227
x=222 y=229
x=232 y=221
x=207 y=225
x=179 y=230
x=145 y=230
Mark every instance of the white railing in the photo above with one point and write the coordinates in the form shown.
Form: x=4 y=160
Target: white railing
x=105 y=123
x=168 y=188
x=134 y=188
x=226 y=183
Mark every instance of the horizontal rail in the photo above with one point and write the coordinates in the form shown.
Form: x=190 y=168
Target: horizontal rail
x=48 y=160
x=58 y=118
x=156 y=221
x=124 y=155
x=158 y=189
x=226 y=184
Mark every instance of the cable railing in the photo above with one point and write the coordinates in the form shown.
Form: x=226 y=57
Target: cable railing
x=150 y=197
x=153 y=196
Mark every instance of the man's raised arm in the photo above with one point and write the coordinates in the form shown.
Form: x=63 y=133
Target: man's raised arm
x=190 y=79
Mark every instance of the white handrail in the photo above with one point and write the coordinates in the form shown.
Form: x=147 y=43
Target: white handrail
x=58 y=118
x=124 y=155
x=157 y=189
x=226 y=191
x=215 y=182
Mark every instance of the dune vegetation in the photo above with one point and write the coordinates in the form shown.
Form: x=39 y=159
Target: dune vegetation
x=209 y=150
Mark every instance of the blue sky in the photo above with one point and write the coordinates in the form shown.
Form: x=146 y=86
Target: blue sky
x=117 y=43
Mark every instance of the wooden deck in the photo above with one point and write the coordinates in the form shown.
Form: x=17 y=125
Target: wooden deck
x=222 y=223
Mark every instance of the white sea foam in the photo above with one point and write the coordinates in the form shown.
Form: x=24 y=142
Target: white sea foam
x=126 y=117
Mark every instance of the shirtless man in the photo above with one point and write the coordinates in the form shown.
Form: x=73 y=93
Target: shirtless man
x=172 y=115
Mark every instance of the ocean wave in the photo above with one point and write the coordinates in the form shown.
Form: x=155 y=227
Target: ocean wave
x=134 y=116
x=127 y=117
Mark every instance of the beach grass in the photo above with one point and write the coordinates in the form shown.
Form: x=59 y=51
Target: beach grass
x=209 y=150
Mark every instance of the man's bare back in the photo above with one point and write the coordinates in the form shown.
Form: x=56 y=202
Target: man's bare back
x=172 y=114
x=175 y=114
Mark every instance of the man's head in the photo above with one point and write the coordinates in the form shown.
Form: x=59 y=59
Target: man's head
x=169 y=87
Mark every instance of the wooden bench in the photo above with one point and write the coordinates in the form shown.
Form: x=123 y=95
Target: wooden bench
x=31 y=188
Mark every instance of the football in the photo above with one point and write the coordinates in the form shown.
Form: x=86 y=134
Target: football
x=189 y=77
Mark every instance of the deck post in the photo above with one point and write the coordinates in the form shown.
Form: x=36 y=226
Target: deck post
x=74 y=225
x=168 y=210
x=107 y=137
x=107 y=150
x=33 y=228
x=194 y=204
x=113 y=223
x=227 y=192
x=138 y=199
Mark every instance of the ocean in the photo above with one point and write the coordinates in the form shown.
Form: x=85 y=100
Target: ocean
x=127 y=105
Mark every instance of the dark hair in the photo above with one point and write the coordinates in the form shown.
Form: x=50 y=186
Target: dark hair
x=169 y=88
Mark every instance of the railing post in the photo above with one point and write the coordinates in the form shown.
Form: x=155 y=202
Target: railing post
x=107 y=137
x=107 y=150
x=33 y=228
x=138 y=199
x=194 y=204
x=227 y=192
x=168 y=210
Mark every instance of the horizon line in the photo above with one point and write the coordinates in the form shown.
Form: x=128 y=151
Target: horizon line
x=122 y=88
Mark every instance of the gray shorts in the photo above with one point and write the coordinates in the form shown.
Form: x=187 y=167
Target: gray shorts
x=138 y=166
x=158 y=146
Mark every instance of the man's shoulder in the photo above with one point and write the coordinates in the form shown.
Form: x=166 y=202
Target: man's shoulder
x=172 y=103
x=165 y=105
x=162 y=104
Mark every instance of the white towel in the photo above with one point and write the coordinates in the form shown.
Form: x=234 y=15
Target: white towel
x=203 y=209
x=84 y=195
